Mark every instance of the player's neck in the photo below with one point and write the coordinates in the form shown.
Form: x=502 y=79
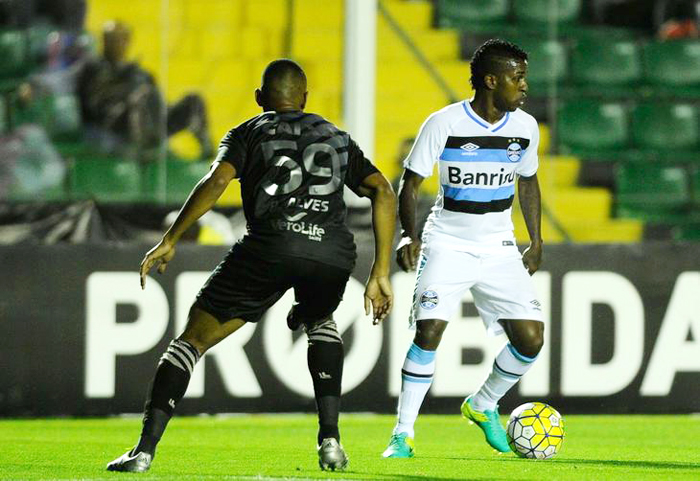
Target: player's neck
x=483 y=106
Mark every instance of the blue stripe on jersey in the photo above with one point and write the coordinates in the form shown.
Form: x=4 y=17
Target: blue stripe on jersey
x=505 y=121
x=479 y=155
x=483 y=124
x=464 y=104
x=478 y=195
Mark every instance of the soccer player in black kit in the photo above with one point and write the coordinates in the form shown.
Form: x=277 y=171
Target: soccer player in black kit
x=292 y=167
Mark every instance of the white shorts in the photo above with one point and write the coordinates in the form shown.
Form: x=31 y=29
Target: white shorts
x=499 y=283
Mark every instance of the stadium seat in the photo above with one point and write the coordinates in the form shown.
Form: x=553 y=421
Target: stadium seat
x=589 y=127
x=105 y=180
x=64 y=118
x=606 y=62
x=173 y=180
x=540 y=12
x=14 y=52
x=4 y=119
x=547 y=62
x=672 y=64
x=651 y=191
x=665 y=126
x=472 y=15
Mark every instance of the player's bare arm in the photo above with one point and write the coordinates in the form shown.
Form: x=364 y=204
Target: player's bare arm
x=531 y=206
x=408 y=250
x=201 y=199
x=378 y=291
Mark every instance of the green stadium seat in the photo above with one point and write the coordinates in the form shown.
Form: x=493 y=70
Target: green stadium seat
x=666 y=127
x=651 y=191
x=695 y=184
x=547 y=63
x=686 y=232
x=14 y=50
x=173 y=180
x=606 y=62
x=472 y=14
x=4 y=115
x=541 y=11
x=38 y=39
x=672 y=64
x=64 y=120
x=105 y=180
x=592 y=128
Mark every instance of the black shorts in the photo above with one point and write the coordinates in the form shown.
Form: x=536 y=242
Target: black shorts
x=245 y=285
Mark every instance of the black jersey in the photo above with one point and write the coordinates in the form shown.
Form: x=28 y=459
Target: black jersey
x=292 y=167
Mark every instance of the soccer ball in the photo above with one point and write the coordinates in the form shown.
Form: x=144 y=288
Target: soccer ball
x=535 y=430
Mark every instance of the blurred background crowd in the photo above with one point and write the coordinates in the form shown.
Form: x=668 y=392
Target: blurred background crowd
x=110 y=110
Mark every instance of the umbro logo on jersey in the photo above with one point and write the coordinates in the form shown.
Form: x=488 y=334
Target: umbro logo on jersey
x=469 y=147
x=536 y=304
x=324 y=375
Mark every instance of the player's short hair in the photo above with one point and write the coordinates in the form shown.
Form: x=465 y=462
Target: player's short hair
x=489 y=58
x=283 y=78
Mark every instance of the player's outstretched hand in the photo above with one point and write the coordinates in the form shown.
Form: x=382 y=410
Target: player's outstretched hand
x=158 y=256
x=378 y=293
x=532 y=257
x=407 y=253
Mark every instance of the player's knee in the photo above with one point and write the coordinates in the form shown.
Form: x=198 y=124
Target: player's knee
x=530 y=341
x=324 y=331
x=429 y=334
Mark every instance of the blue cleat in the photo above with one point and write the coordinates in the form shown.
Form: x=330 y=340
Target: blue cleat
x=489 y=423
x=400 y=446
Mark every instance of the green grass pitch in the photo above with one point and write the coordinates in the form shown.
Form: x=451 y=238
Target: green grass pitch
x=283 y=447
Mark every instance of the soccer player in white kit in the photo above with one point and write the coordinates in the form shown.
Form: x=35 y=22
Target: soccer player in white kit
x=483 y=147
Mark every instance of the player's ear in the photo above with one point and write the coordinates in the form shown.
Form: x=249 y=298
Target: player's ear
x=490 y=80
x=259 y=97
x=303 y=102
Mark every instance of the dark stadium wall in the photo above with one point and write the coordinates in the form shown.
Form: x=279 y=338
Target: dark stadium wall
x=79 y=336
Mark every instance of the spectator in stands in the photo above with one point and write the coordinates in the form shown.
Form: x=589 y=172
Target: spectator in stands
x=624 y=13
x=122 y=106
x=677 y=19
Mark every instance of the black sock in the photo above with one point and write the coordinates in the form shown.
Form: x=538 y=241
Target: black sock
x=325 y=361
x=167 y=389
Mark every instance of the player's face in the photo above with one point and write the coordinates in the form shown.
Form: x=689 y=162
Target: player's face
x=511 y=88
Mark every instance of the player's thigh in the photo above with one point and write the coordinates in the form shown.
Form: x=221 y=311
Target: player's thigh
x=318 y=289
x=442 y=279
x=505 y=291
x=243 y=286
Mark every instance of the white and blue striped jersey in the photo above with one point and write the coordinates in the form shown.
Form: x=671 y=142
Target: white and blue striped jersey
x=478 y=164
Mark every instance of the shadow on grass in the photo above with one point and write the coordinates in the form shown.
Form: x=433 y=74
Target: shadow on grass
x=610 y=463
x=414 y=477
x=631 y=464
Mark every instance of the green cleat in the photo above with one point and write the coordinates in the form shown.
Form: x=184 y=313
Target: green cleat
x=400 y=446
x=489 y=423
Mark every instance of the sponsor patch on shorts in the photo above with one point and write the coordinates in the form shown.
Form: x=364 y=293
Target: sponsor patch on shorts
x=429 y=299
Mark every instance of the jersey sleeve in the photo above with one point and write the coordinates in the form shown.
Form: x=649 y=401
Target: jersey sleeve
x=359 y=167
x=427 y=147
x=232 y=149
x=528 y=166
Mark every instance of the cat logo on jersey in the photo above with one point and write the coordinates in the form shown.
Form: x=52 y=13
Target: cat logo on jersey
x=429 y=299
x=514 y=152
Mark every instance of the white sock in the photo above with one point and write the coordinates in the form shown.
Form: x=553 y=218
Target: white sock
x=417 y=376
x=508 y=368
